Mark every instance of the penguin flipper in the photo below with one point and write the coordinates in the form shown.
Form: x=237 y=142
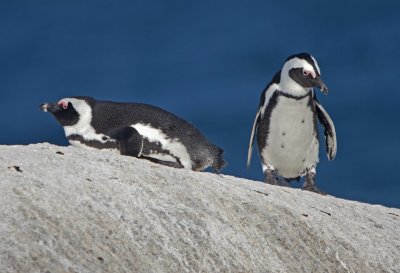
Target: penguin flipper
x=264 y=99
x=330 y=133
x=129 y=139
x=253 y=132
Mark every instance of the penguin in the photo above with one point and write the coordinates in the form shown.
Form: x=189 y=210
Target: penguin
x=135 y=129
x=286 y=124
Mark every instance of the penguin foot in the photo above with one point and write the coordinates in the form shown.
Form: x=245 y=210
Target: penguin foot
x=313 y=189
x=283 y=182
x=270 y=177
x=309 y=184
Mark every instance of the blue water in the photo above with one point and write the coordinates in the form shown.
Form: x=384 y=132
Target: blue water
x=208 y=61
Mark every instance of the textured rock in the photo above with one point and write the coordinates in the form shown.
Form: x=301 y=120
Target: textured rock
x=71 y=210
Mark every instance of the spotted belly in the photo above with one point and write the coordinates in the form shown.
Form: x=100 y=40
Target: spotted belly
x=101 y=143
x=292 y=138
x=157 y=146
x=152 y=150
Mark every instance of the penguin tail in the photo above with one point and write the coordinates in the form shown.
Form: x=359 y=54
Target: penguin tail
x=219 y=162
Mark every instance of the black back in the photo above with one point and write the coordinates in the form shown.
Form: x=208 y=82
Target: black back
x=107 y=114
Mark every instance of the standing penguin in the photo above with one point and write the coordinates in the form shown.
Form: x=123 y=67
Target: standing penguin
x=286 y=123
x=135 y=129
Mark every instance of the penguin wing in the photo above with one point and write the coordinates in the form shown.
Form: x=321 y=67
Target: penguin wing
x=330 y=133
x=253 y=132
x=269 y=90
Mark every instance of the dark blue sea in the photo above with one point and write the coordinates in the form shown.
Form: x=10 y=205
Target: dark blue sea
x=207 y=62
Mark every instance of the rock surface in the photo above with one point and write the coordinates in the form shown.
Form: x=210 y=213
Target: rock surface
x=65 y=209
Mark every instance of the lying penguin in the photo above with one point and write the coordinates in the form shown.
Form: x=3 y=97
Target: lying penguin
x=286 y=123
x=135 y=129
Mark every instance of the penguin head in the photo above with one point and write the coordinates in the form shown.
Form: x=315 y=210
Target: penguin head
x=300 y=74
x=68 y=111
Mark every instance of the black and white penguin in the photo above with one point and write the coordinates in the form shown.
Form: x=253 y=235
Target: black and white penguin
x=286 y=123
x=135 y=129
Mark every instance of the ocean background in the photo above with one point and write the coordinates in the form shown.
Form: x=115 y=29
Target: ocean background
x=208 y=62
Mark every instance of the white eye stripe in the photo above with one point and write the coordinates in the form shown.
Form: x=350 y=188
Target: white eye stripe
x=83 y=126
x=298 y=63
x=316 y=65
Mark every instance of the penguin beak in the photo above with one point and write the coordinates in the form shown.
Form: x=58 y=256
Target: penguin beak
x=321 y=85
x=50 y=107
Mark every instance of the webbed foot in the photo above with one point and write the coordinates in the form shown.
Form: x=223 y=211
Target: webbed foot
x=309 y=184
x=270 y=177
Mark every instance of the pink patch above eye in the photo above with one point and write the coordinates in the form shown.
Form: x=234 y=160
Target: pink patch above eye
x=308 y=73
x=63 y=104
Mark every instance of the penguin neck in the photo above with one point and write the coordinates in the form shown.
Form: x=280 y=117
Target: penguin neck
x=83 y=126
x=288 y=86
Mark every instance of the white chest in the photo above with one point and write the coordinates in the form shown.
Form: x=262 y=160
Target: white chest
x=83 y=127
x=292 y=143
x=86 y=131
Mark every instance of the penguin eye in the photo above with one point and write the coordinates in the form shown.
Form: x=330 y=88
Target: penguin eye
x=309 y=73
x=63 y=104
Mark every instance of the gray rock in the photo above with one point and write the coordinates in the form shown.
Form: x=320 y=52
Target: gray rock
x=65 y=209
